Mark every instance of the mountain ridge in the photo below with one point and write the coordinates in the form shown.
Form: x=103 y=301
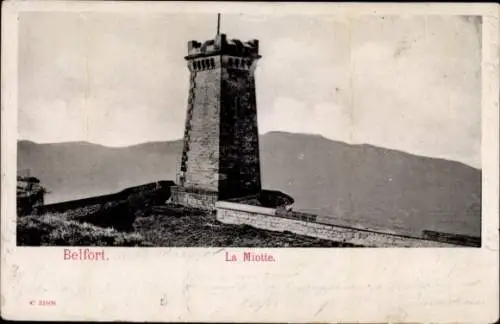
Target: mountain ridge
x=174 y=141
x=357 y=182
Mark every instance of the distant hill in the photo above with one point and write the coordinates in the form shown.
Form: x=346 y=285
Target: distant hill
x=363 y=184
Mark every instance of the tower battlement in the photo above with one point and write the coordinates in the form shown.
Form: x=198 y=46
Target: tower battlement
x=221 y=45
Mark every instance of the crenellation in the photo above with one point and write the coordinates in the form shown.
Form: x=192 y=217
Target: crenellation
x=221 y=45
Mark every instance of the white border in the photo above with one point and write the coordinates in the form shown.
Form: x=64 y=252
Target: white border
x=320 y=285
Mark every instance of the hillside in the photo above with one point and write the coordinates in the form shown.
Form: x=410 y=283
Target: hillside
x=361 y=184
x=166 y=229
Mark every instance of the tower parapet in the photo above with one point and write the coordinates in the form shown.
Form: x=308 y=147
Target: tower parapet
x=221 y=52
x=221 y=45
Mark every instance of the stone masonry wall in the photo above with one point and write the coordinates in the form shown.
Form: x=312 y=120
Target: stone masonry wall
x=199 y=200
x=202 y=153
x=239 y=146
x=265 y=219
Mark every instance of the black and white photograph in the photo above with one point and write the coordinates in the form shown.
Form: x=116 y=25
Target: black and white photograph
x=237 y=130
x=287 y=162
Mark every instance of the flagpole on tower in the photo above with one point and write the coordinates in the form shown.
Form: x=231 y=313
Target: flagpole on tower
x=218 y=23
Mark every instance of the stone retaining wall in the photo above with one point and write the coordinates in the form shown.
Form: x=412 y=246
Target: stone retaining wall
x=266 y=218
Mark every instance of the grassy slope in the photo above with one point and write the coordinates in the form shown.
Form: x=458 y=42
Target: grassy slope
x=176 y=227
x=53 y=230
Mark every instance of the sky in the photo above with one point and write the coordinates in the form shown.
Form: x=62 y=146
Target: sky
x=411 y=83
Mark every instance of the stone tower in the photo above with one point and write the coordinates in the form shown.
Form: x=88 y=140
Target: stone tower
x=220 y=156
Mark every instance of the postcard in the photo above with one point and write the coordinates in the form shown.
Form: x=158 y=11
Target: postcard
x=256 y=162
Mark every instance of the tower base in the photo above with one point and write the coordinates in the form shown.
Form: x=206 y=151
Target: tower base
x=194 y=197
